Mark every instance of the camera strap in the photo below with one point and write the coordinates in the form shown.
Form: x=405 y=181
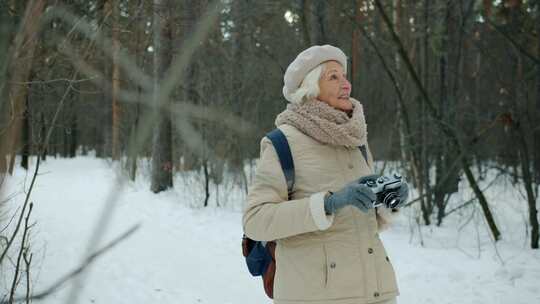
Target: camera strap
x=363 y=149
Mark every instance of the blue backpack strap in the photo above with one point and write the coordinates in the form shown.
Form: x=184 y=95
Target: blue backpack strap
x=257 y=254
x=281 y=145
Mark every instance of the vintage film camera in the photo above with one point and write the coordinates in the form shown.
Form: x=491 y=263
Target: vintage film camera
x=386 y=189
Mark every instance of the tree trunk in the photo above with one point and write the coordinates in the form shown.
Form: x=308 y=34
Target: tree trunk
x=116 y=109
x=26 y=136
x=104 y=130
x=398 y=27
x=355 y=49
x=316 y=20
x=42 y=135
x=528 y=184
x=132 y=148
x=73 y=136
x=441 y=154
x=162 y=145
x=425 y=182
x=304 y=11
x=66 y=134
x=206 y=183
x=20 y=65
x=132 y=155
x=536 y=126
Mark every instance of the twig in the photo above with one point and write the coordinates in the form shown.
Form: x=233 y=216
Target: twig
x=467 y=221
x=27 y=262
x=10 y=220
x=420 y=231
x=70 y=81
x=459 y=230
x=494 y=243
x=21 y=250
x=478 y=234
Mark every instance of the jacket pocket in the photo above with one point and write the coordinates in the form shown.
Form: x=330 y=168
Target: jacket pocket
x=300 y=271
x=345 y=274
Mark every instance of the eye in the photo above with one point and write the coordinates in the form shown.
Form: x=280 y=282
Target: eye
x=333 y=77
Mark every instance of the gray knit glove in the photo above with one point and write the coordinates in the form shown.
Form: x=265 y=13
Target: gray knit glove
x=354 y=194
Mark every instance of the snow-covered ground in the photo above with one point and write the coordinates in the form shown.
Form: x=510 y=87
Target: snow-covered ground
x=183 y=253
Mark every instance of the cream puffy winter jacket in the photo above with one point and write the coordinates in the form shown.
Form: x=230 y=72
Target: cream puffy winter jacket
x=335 y=259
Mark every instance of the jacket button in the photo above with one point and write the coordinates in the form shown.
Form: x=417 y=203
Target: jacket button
x=376 y=294
x=333 y=265
x=370 y=250
x=387 y=259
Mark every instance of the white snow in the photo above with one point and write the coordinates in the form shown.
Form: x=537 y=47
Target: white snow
x=184 y=253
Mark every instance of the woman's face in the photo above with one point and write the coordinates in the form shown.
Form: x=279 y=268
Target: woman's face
x=335 y=89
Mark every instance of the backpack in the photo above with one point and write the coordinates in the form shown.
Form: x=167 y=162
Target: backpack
x=260 y=256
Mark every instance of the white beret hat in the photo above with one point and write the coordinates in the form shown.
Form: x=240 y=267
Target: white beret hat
x=306 y=61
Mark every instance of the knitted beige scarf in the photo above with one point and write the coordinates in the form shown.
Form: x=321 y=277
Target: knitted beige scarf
x=326 y=124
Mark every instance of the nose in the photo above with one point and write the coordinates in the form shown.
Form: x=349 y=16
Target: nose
x=346 y=86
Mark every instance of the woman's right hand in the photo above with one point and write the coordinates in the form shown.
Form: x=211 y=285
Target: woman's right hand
x=354 y=194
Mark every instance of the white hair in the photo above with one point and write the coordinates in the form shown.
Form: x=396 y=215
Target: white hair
x=309 y=88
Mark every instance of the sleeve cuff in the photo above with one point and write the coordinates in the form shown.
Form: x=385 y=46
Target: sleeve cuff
x=316 y=205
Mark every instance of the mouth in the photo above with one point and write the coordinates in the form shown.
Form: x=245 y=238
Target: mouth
x=344 y=97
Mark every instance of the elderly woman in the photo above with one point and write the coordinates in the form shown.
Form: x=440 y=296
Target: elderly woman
x=328 y=248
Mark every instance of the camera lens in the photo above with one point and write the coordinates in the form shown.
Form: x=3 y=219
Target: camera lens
x=391 y=199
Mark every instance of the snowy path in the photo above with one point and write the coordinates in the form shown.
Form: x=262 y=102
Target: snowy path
x=186 y=255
